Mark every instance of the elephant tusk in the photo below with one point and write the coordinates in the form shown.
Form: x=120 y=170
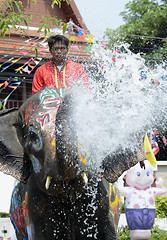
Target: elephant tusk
x=85 y=178
x=48 y=181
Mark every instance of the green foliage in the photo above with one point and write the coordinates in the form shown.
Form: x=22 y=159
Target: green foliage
x=161 y=206
x=58 y=2
x=45 y=24
x=4 y=215
x=124 y=233
x=123 y=208
x=12 y=13
x=145 y=28
x=156 y=233
x=2 y=107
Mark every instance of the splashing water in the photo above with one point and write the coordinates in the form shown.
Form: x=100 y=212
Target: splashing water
x=121 y=105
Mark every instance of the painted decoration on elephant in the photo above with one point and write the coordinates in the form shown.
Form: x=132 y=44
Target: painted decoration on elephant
x=50 y=100
x=82 y=155
x=49 y=93
x=36 y=163
x=115 y=201
x=44 y=119
x=25 y=206
x=17 y=212
x=29 y=111
x=51 y=200
x=53 y=133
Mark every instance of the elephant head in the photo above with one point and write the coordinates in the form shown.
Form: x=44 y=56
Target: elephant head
x=41 y=138
x=40 y=146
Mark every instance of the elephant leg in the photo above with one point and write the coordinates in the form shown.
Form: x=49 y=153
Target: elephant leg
x=107 y=229
x=20 y=235
x=17 y=211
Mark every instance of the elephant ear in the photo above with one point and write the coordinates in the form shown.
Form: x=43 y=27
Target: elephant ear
x=12 y=157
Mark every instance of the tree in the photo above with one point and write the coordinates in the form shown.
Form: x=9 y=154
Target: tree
x=4 y=215
x=12 y=13
x=145 y=28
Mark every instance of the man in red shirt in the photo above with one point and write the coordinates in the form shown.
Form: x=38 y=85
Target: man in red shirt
x=59 y=72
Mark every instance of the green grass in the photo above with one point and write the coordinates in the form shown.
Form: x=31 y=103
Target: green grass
x=156 y=233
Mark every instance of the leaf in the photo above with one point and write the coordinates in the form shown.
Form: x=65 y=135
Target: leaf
x=36 y=52
x=45 y=32
x=2 y=25
x=60 y=24
x=53 y=3
x=48 y=26
x=25 y=22
x=2 y=107
x=18 y=6
x=55 y=21
x=39 y=29
x=4 y=33
x=64 y=27
x=11 y=5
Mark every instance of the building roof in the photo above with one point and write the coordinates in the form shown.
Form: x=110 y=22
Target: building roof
x=25 y=49
x=28 y=39
x=65 y=12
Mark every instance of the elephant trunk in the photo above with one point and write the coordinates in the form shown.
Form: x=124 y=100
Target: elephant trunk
x=61 y=161
x=67 y=154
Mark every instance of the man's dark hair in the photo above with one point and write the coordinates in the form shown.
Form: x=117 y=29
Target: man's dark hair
x=57 y=38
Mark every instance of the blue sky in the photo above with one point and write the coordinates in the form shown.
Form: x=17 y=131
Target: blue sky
x=101 y=14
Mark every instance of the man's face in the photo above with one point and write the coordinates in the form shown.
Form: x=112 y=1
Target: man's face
x=59 y=53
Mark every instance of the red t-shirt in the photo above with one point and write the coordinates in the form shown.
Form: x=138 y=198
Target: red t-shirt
x=48 y=75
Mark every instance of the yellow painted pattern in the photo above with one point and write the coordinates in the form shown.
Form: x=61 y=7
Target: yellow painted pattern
x=64 y=79
x=117 y=199
x=54 y=142
x=82 y=155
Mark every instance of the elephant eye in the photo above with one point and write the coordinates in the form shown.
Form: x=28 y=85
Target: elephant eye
x=34 y=139
x=138 y=174
x=148 y=173
x=33 y=136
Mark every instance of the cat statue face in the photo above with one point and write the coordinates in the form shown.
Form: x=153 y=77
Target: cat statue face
x=140 y=178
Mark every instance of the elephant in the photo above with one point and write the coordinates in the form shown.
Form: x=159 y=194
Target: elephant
x=56 y=195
